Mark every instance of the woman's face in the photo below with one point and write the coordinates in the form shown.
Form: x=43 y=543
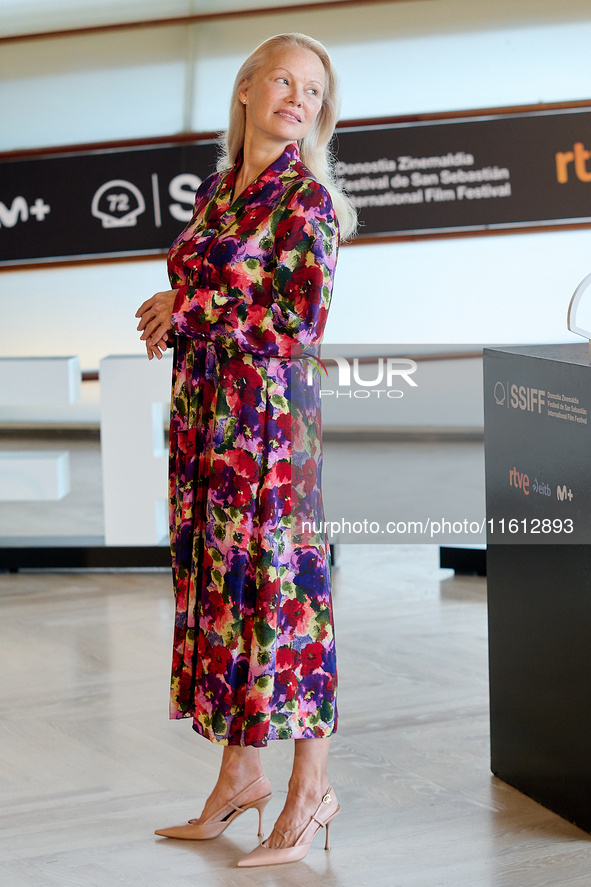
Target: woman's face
x=284 y=96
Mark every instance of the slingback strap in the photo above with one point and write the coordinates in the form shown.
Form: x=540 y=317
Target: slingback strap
x=232 y=803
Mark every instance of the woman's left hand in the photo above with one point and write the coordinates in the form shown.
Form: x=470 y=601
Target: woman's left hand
x=155 y=322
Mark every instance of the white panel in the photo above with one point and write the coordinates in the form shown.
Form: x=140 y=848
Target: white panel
x=509 y=289
x=34 y=476
x=88 y=308
x=393 y=59
x=470 y=70
x=133 y=453
x=30 y=16
x=93 y=88
x=39 y=381
x=397 y=63
x=84 y=412
x=448 y=395
x=513 y=288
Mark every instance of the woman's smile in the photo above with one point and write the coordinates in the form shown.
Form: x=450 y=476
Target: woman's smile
x=289 y=115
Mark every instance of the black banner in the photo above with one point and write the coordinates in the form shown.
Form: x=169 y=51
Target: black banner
x=527 y=169
x=102 y=203
x=511 y=171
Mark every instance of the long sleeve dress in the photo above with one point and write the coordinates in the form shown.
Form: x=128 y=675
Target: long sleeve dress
x=253 y=656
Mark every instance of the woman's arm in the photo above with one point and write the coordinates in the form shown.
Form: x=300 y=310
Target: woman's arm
x=292 y=307
x=155 y=313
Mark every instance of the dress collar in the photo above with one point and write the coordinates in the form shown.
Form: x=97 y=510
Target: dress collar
x=288 y=159
x=283 y=164
x=290 y=156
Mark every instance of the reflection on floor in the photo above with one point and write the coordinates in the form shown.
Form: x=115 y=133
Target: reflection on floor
x=401 y=482
x=80 y=513
x=91 y=765
x=377 y=481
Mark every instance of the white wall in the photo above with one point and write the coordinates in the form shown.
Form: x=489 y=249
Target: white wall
x=29 y=16
x=94 y=88
x=398 y=58
x=507 y=289
x=418 y=56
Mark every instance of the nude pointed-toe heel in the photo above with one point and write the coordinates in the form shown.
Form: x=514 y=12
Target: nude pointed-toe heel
x=322 y=817
x=218 y=821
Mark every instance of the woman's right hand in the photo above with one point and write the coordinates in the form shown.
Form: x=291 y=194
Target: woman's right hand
x=155 y=322
x=158 y=349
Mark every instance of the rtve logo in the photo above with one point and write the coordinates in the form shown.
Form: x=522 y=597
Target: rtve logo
x=520 y=480
x=578 y=157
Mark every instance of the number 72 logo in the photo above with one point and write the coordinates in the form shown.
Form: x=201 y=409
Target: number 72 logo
x=105 y=205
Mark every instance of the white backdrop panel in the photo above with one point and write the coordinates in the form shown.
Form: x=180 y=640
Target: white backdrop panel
x=504 y=289
x=408 y=58
x=29 y=381
x=135 y=397
x=90 y=89
x=89 y=309
x=508 y=289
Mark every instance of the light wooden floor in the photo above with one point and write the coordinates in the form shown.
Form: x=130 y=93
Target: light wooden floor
x=90 y=764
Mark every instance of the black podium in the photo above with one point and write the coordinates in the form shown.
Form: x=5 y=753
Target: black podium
x=538 y=492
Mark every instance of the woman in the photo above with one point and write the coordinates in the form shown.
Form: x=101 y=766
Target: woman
x=252 y=275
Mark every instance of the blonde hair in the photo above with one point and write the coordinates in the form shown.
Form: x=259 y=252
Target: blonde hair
x=314 y=149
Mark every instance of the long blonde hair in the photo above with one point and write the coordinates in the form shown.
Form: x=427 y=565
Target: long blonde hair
x=314 y=149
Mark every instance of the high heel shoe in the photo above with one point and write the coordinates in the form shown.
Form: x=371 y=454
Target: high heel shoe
x=218 y=821
x=322 y=817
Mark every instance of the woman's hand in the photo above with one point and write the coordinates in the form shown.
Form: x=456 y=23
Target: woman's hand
x=155 y=321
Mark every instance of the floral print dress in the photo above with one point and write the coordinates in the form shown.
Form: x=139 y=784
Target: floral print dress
x=254 y=656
